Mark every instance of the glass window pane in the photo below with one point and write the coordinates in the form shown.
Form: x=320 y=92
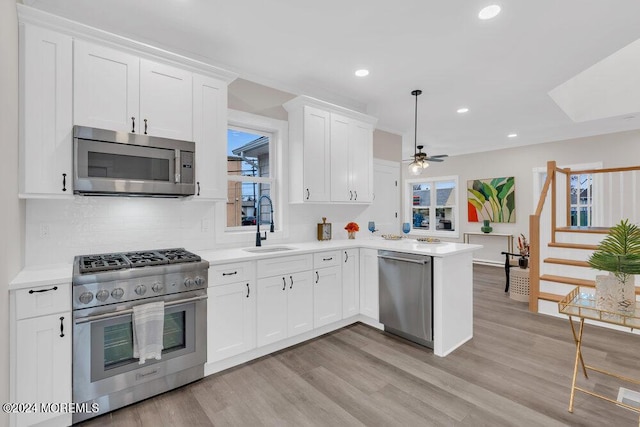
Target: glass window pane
x=421 y=218
x=445 y=219
x=445 y=193
x=422 y=194
x=247 y=153
x=242 y=198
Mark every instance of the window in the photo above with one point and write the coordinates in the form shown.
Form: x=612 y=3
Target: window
x=581 y=199
x=249 y=176
x=433 y=206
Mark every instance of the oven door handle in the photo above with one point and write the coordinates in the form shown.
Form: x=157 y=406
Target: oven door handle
x=130 y=310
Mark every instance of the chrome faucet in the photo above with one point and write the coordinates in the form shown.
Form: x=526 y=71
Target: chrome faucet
x=259 y=238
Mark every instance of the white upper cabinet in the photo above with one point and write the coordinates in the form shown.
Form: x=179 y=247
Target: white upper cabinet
x=106 y=88
x=210 y=136
x=166 y=105
x=119 y=91
x=46 y=121
x=330 y=153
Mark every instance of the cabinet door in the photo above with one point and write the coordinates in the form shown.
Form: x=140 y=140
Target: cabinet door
x=341 y=190
x=300 y=303
x=166 y=101
x=46 y=121
x=350 y=282
x=317 y=155
x=106 y=89
x=369 y=283
x=327 y=296
x=361 y=162
x=272 y=310
x=231 y=320
x=43 y=363
x=210 y=136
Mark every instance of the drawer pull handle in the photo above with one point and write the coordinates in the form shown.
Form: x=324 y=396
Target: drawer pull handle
x=229 y=274
x=198 y=188
x=284 y=284
x=346 y=256
x=133 y=125
x=64 y=182
x=145 y=126
x=248 y=290
x=291 y=277
x=308 y=194
x=61 y=327
x=317 y=277
x=327 y=259
x=55 y=288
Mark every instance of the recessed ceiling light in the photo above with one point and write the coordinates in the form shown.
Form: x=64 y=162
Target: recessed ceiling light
x=489 y=12
x=462 y=110
x=362 y=73
x=512 y=135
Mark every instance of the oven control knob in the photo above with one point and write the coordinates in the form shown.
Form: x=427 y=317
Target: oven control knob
x=117 y=293
x=141 y=290
x=199 y=281
x=189 y=282
x=157 y=287
x=86 y=297
x=102 y=295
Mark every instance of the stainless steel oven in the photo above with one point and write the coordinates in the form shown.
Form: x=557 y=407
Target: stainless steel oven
x=104 y=369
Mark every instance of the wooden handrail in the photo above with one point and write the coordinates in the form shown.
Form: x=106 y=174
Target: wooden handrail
x=551 y=170
x=608 y=170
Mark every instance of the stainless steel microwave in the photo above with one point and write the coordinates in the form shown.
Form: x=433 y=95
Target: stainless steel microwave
x=119 y=163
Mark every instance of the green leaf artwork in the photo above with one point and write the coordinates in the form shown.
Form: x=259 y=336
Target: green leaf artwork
x=491 y=199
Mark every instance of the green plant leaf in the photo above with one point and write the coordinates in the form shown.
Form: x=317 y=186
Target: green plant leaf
x=619 y=252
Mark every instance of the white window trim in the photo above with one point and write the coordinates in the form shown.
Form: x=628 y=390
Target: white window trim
x=279 y=130
x=408 y=203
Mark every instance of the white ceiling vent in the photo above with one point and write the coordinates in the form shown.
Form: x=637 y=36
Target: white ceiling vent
x=609 y=88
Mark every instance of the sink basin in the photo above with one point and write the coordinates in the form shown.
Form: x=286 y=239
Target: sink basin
x=267 y=249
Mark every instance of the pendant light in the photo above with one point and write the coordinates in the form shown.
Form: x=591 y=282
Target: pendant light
x=419 y=163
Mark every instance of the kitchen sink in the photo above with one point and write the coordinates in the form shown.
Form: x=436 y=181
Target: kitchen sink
x=267 y=249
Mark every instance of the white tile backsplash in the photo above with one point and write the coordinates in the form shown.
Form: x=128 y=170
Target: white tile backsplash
x=88 y=225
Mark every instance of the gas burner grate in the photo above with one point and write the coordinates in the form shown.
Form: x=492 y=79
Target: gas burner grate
x=103 y=262
x=145 y=258
x=179 y=255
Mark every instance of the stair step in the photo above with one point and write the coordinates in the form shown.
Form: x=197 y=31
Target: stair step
x=550 y=297
x=573 y=246
x=563 y=261
x=574 y=229
x=568 y=280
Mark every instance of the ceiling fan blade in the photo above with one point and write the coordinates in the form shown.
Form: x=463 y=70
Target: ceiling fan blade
x=438 y=156
x=431 y=159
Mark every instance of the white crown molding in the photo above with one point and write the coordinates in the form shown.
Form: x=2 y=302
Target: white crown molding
x=77 y=30
x=304 y=100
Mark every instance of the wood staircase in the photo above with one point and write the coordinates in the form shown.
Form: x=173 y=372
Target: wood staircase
x=558 y=253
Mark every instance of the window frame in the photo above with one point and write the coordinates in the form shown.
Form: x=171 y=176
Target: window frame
x=278 y=144
x=408 y=201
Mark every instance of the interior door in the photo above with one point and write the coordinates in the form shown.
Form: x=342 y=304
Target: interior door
x=385 y=208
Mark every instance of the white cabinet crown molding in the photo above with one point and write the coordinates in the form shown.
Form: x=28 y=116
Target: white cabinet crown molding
x=304 y=100
x=75 y=29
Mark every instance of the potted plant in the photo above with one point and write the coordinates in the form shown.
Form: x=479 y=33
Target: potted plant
x=351 y=228
x=619 y=254
x=523 y=248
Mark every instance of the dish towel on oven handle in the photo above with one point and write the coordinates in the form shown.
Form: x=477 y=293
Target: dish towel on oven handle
x=148 y=329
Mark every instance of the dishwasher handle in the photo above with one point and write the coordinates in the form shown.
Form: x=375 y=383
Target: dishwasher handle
x=415 y=261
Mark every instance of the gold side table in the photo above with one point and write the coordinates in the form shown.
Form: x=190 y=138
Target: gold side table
x=583 y=305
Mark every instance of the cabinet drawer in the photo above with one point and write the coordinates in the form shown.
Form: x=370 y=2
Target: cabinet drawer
x=326 y=259
x=231 y=273
x=284 y=265
x=43 y=300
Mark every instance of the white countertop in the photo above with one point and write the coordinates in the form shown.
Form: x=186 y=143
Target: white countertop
x=44 y=275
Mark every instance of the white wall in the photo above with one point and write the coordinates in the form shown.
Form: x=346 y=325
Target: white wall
x=613 y=150
x=12 y=212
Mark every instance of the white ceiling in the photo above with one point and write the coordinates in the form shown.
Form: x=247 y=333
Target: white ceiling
x=502 y=69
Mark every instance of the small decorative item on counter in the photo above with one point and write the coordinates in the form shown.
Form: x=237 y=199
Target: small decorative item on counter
x=324 y=230
x=391 y=236
x=486 y=228
x=351 y=228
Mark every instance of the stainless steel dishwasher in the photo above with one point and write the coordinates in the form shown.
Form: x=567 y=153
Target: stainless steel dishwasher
x=406 y=295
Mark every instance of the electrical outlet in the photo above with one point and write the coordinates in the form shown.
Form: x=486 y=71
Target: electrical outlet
x=205 y=225
x=44 y=231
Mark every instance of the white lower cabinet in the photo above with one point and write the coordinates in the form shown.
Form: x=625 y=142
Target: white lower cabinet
x=369 y=283
x=285 y=306
x=327 y=296
x=42 y=358
x=231 y=320
x=350 y=260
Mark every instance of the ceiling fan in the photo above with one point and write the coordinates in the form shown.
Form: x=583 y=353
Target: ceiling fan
x=420 y=160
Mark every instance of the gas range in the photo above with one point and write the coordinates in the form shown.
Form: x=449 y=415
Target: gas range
x=126 y=277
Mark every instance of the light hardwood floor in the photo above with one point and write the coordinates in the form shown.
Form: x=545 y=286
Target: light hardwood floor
x=516 y=371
